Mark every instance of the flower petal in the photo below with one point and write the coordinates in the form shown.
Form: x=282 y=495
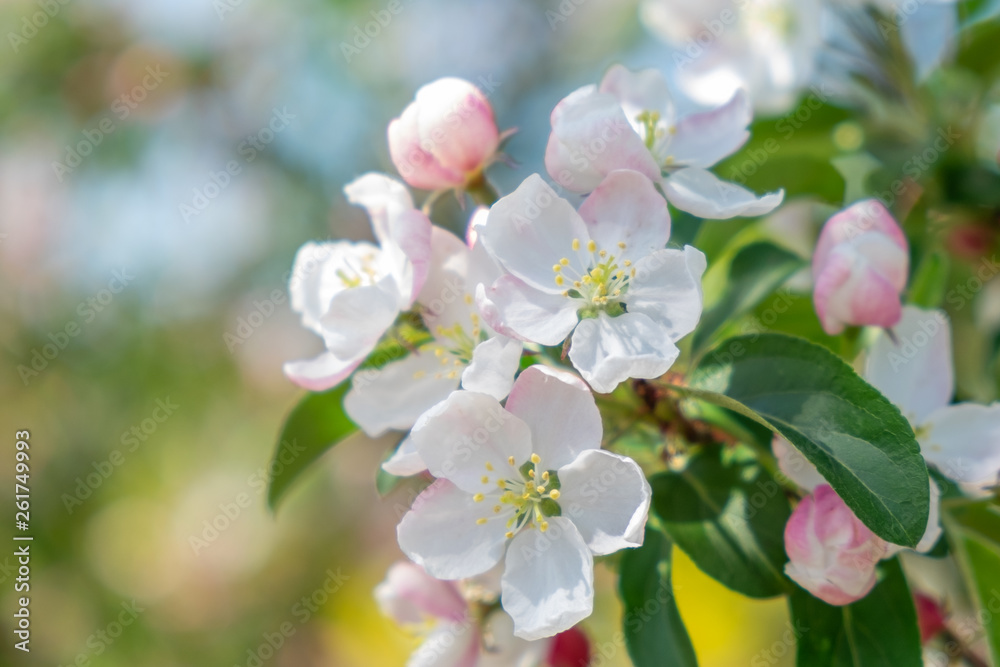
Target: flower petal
x=963 y=442
x=409 y=595
x=626 y=208
x=468 y=438
x=358 y=317
x=417 y=165
x=607 y=498
x=494 y=364
x=548 y=583
x=506 y=650
x=394 y=396
x=704 y=194
x=530 y=230
x=384 y=198
x=795 y=466
x=323 y=372
x=933 y=531
x=667 y=288
x=449 y=645
x=314 y=280
x=560 y=412
x=702 y=139
x=645 y=90
x=607 y=350
x=456 y=123
x=915 y=372
x=850 y=291
x=591 y=137
x=405 y=461
x=441 y=533
x=514 y=308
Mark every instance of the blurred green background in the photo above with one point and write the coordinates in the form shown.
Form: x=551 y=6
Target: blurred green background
x=144 y=322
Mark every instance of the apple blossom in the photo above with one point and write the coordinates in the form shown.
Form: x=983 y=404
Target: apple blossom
x=526 y=485
x=445 y=137
x=601 y=274
x=351 y=293
x=916 y=373
x=831 y=553
x=860 y=266
x=463 y=349
x=628 y=122
x=454 y=635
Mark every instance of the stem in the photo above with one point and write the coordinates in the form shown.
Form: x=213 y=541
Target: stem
x=482 y=193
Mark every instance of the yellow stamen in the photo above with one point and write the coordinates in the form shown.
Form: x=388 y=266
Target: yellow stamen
x=509 y=535
x=478 y=498
x=535 y=458
x=559 y=280
x=554 y=494
x=489 y=466
x=557 y=267
x=480 y=522
x=510 y=460
x=544 y=527
x=576 y=244
x=486 y=479
x=564 y=261
x=591 y=246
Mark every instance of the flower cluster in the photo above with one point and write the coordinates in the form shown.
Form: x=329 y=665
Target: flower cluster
x=512 y=359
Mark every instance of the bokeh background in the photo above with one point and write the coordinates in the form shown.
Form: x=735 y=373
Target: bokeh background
x=157 y=416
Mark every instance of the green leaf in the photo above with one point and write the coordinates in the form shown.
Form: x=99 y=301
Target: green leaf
x=974 y=533
x=929 y=284
x=755 y=272
x=730 y=521
x=857 y=439
x=315 y=425
x=654 y=632
x=879 y=630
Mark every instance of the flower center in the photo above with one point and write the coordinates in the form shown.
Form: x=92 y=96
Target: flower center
x=453 y=346
x=532 y=497
x=601 y=284
x=656 y=135
x=359 y=270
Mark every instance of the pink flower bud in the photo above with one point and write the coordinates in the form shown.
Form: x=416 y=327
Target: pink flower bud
x=445 y=137
x=860 y=266
x=831 y=553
